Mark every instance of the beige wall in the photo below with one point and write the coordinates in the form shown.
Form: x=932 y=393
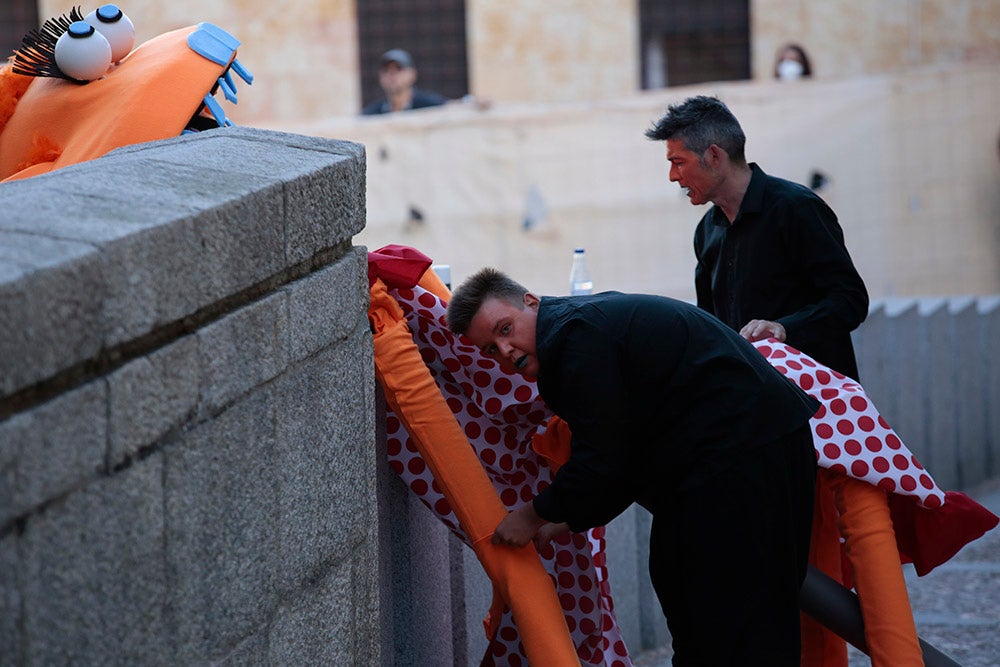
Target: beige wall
x=852 y=37
x=305 y=55
x=912 y=151
x=553 y=51
x=912 y=159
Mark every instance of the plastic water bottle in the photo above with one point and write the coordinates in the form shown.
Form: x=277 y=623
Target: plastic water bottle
x=579 y=276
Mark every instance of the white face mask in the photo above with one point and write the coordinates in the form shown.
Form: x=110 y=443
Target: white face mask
x=790 y=70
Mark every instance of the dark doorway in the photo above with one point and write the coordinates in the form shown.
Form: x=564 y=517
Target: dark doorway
x=693 y=41
x=17 y=17
x=433 y=31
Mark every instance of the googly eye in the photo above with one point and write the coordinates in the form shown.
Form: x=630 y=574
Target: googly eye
x=82 y=53
x=111 y=22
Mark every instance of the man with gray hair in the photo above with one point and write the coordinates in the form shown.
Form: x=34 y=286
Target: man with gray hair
x=772 y=261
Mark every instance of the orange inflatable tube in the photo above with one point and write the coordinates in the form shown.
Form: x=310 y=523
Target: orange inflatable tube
x=516 y=573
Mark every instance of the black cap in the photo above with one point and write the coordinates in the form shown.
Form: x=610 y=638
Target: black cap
x=398 y=56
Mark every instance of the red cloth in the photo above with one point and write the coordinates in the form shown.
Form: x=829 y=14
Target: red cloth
x=397 y=265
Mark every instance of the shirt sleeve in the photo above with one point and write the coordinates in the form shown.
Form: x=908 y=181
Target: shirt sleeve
x=595 y=484
x=702 y=276
x=816 y=240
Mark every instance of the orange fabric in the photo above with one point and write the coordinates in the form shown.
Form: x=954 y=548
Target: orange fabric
x=12 y=87
x=821 y=647
x=517 y=574
x=859 y=512
x=553 y=444
x=870 y=544
x=151 y=94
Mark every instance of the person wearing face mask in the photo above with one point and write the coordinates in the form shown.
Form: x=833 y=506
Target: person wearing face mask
x=792 y=63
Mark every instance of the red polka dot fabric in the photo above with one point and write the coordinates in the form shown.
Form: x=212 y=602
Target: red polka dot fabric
x=499 y=414
x=851 y=437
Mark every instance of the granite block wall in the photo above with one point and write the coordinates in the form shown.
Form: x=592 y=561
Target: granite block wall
x=187 y=420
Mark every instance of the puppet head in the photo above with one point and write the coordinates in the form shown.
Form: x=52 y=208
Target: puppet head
x=75 y=89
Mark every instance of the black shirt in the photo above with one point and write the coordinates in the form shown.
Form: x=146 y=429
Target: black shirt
x=421 y=100
x=658 y=394
x=783 y=259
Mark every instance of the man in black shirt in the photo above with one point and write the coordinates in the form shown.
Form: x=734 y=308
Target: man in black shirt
x=771 y=256
x=397 y=76
x=669 y=408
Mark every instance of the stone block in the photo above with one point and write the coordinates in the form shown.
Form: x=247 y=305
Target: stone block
x=164 y=274
x=868 y=346
x=324 y=209
x=222 y=529
x=367 y=634
x=478 y=596
x=10 y=601
x=904 y=373
x=325 y=457
x=621 y=548
x=151 y=395
x=989 y=334
x=327 y=305
x=942 y=427
x=316 y=626
x=970 y=414
x=324 y=180
x=243 y=350
x=251 y=652
x=50 y=311
x=94 y=581
x=53 y=448
x=654 y=626
x=38 y=207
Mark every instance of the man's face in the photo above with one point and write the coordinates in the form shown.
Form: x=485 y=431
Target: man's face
x=505 y=332
x=691 y=171
x=394 y=78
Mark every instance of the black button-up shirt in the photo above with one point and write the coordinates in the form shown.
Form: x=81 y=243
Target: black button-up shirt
x=783 y=259
x=659 y=396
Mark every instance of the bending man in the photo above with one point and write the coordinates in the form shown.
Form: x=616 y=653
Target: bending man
x=669 y=408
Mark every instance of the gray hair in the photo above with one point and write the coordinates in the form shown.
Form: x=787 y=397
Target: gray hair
x=699 y=122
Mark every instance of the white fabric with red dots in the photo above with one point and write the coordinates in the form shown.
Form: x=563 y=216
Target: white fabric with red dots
x=499 y=414
x=850 y=436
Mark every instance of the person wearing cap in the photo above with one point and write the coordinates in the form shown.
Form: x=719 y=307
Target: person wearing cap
x=397 y=76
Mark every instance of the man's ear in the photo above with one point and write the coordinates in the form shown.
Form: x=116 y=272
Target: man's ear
x=715 y=154
x=530 y=300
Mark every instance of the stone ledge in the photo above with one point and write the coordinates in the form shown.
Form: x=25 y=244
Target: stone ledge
x=135 y=242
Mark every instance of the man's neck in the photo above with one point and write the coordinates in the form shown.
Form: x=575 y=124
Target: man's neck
x=733 y=188
x=401 y=100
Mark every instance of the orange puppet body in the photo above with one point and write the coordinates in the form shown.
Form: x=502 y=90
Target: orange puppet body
x=152 y=93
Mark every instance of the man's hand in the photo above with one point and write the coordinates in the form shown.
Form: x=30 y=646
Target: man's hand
x=755 y=330
x=549 y=532
x=518 y=527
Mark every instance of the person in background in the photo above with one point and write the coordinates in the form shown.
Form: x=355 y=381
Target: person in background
x=671 y=409
x=792 y=63
x=397 y=75
x=771 y=256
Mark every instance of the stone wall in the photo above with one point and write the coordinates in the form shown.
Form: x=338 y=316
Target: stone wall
x=187 y=408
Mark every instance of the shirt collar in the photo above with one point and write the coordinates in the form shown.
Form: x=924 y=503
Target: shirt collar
x=753 y=198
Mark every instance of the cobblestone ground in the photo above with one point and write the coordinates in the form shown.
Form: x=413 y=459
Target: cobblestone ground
x=956 y=607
